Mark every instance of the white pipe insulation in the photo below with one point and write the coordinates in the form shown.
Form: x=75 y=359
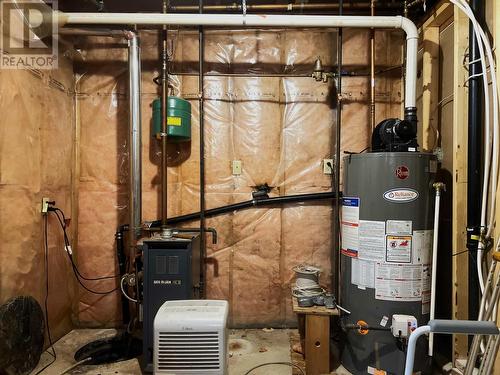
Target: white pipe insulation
x=254 y=20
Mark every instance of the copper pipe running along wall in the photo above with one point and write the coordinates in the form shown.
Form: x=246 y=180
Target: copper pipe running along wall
x=164 y=128
x=282 y=7
x=372 y=69
x=203 y=244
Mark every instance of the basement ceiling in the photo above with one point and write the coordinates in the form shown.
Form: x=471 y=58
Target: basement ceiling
x=359 y=7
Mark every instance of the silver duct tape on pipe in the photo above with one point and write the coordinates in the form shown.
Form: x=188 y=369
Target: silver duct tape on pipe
x=253 y=20
x=135 y=172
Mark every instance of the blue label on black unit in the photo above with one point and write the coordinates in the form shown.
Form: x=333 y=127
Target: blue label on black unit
x=350 y=202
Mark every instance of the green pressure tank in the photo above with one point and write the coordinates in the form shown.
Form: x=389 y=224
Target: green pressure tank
x=178 y=119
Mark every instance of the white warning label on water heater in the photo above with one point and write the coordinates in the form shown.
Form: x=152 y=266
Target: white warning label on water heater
x=371 y=240
x=422 y=246
x=350 y=226
x=426 y=288
x=363 y=273
x=398 y=282
x=398 y=249
x=399 y=226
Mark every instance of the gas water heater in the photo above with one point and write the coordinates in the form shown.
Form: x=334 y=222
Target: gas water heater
x=386 y=226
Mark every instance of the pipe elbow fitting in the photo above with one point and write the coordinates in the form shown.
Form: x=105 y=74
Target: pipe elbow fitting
x=130 y=34
x=409 y=28
x=439 y=186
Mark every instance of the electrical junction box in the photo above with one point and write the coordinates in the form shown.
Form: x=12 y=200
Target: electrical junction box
x=403 y=325
x=171 y=272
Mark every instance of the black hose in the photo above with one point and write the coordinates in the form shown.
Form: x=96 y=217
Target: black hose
x=366 y=327
x=120 y=248
x=247 y=204
x=474 y=153
x=122 y=265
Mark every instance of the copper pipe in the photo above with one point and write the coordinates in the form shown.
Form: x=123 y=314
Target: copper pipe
x=164 y=127
x=336 y=134
x=201 y=67
x=403 y=48
x=282 y=7
x=92 y=32
x=372 y=69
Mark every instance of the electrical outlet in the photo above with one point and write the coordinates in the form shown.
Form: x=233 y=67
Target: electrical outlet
x=236 y=165
x=45 y=205
x=327 y=166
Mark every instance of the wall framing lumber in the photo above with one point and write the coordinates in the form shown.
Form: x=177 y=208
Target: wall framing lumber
x=430 y=82
x=460 y=109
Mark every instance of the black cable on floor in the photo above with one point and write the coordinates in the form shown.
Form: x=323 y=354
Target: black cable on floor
x=276 y=363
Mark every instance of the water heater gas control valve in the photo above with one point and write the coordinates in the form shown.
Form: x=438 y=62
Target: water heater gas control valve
x=403 y=325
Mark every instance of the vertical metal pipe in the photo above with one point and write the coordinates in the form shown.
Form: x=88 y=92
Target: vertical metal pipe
x=164 y=128
x=135 y=163
x=372 y=69
x=335 y=261
x=474 y=161
x=404 y=50
x=203 y=246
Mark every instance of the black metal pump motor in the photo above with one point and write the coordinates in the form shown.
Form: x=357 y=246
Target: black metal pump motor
x=395 y=135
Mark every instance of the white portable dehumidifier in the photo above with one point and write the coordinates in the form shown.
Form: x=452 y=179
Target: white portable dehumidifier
x=190 y=337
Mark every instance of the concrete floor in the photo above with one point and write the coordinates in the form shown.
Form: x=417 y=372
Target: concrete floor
x=247 y=348
x=67 y=346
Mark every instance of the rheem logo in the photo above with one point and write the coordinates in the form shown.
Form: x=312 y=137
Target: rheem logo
x=29 y=34
x=402 y=172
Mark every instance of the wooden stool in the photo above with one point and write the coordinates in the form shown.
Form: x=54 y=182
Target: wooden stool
x=314 y=330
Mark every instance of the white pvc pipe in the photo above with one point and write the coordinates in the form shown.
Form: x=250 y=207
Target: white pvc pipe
x=412 y=343
x=254 y=20
x=438 y=186
x=135 y=166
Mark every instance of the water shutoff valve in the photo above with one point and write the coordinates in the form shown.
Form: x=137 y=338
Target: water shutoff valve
x=403 y=325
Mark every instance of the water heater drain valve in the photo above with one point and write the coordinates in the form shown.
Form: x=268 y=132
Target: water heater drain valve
x=403 y=325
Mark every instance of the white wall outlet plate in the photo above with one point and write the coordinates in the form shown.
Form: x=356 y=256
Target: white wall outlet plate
x=328 y=166
x=45 y=205
x=236 y=165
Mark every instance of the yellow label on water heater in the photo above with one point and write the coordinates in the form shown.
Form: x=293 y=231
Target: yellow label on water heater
x=174 y=121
